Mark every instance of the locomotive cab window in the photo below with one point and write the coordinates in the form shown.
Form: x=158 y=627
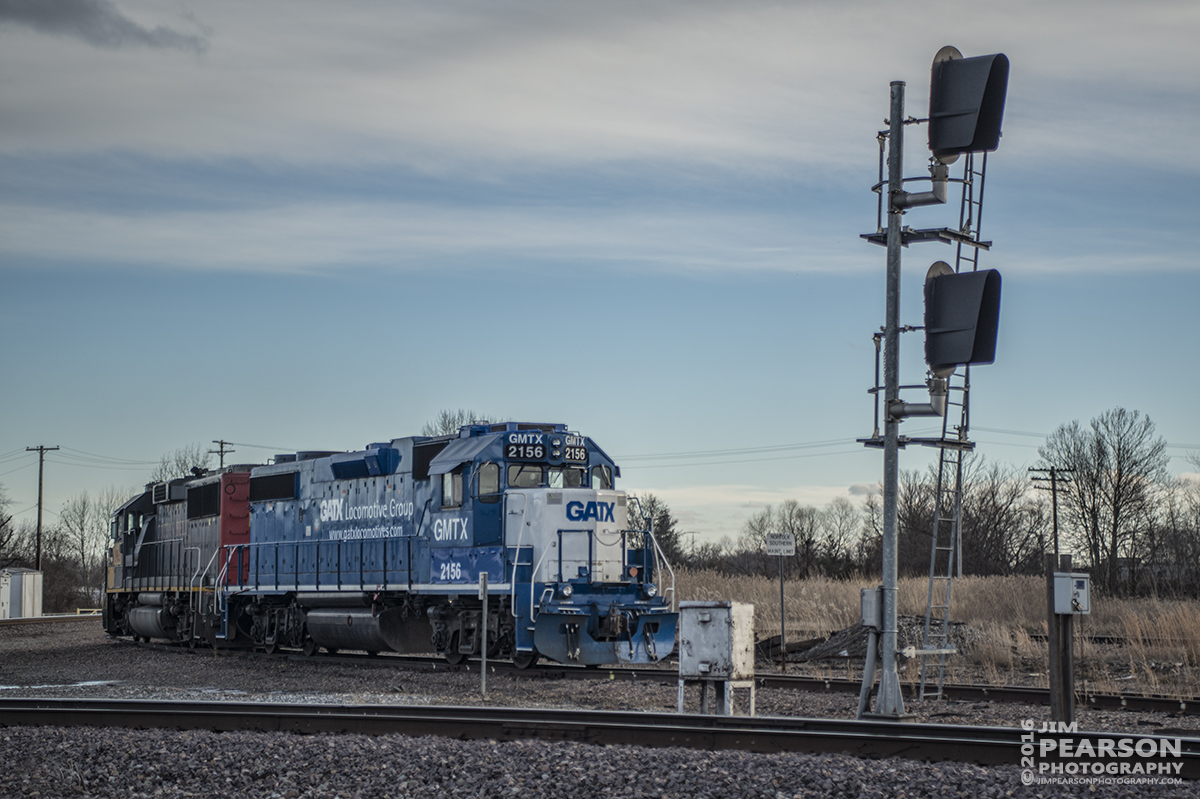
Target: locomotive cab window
x=525 y=475
x=489 y=482
x=601 y=477
x=566 y=477
x=452 y=490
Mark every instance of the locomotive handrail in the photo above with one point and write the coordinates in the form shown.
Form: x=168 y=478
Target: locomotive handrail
x=193 y=602
x=512 y=590
x=211 y=560
x=231 y=552
x=666 y=563
x=533 y=582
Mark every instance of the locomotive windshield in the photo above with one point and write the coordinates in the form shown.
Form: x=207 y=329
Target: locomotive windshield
x=536 y=475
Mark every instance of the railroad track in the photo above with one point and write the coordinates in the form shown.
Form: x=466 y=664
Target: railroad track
x=933 y=742
x=974 y=693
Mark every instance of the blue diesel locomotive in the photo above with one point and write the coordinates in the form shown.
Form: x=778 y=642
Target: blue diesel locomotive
x=384 y=549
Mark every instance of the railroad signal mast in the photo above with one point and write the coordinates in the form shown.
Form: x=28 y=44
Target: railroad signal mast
x=962 y=304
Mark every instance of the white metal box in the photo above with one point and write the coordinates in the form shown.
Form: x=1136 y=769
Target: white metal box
x=20 y=593
x=871 y=601
x=716 y=640
x=1072 y=593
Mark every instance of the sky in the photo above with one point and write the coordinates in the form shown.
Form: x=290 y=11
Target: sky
x=314 y=225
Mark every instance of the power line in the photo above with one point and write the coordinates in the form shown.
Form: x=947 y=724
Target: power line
x=31 y=507
x=738 y=451
x=109 y=458
x=1047 y=435
x=264 y=446
x=747 y=460
x=18 y=469
x=86 y=465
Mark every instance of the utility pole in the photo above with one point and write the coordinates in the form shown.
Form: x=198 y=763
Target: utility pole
x=223 y=444
x=41 y=451
x=1059 y=631
x=1054 y=472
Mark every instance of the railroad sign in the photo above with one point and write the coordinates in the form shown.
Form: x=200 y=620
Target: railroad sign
x=781 y=544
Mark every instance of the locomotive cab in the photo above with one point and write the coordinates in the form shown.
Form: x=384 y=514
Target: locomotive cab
x=591 y=587
x=579 y=585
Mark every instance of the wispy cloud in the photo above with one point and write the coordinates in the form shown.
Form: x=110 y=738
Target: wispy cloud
x=310 y=237
x=97 y=22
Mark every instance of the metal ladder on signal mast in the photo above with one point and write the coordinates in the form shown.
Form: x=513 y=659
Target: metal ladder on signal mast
x=945 y=556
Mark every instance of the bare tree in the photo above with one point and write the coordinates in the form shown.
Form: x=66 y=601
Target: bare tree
x=915 y=506
x=448 y=422
x=755 y=530
x=656 y=517
x=181 y=463
x=85 y=522
x=870 y=541
x=1003 y=524
x=1119 y=468
x=801 y=523
x=710 y=555
x=840 y=526
x=12 y=548
x=1171 y=559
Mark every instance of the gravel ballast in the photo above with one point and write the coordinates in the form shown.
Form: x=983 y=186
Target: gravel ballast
x=78 y=659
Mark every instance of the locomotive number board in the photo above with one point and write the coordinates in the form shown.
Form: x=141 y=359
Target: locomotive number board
x=540 y=447
x=574 y=449
x=526 y=447
x=524 y=452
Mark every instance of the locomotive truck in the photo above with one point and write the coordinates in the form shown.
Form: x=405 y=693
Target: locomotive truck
x=383 y=549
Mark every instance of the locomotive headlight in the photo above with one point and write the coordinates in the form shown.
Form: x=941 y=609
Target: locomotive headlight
x=556 y=442
x=651 y=590
x=566 y=590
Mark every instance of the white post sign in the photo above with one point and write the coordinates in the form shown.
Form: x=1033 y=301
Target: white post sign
x=782 y=545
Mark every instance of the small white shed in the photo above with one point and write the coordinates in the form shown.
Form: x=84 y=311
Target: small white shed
x=20 y=593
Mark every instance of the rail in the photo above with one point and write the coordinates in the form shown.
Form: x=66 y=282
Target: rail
x=943 y=742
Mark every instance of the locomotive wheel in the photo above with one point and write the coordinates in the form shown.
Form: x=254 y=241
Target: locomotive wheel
x=453 y=656
x=310 y=648
x=271 y=648
x=525 y=660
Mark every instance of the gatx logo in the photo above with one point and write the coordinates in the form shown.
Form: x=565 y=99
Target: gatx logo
x=331 y=510
x=592 y=511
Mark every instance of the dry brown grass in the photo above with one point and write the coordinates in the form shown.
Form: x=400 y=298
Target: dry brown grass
x=1162 y=653
x=820 y=605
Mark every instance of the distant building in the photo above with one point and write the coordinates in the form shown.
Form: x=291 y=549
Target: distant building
x=20 y=593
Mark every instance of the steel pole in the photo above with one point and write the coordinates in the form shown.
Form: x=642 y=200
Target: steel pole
x=782 y=623
x=483 y=637
x=890 y=701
